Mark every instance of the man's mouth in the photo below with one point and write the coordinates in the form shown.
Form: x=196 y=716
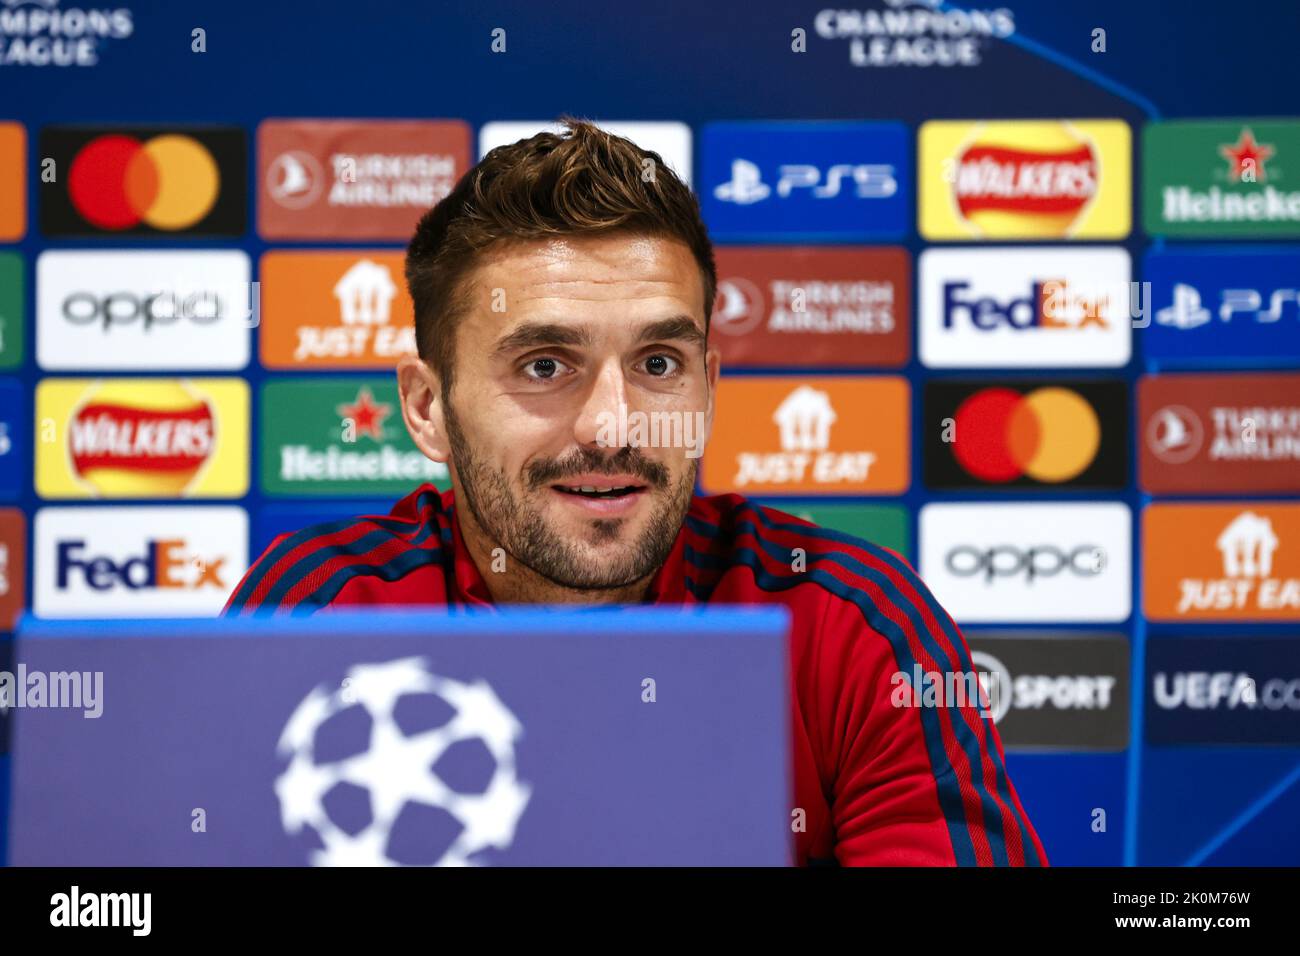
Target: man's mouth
x=599 y=491
x=606 y=496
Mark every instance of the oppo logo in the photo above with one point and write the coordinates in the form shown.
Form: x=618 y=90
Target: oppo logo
x=126 y=308
x=1038 y=561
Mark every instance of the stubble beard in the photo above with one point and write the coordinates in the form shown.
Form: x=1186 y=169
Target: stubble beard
x=520 y=528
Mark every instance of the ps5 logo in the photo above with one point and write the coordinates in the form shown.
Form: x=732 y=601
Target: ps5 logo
x=1187 y=312
x=866 y=180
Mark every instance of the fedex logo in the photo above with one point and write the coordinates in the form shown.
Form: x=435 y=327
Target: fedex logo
x=163 y=564
x=806 y=181
x=1024 y=307
x=1049 y=305
x=161 y=561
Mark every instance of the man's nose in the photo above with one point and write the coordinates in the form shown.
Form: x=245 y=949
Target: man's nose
x=597 y=421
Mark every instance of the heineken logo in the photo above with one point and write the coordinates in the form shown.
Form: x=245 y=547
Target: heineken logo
x=338 y=436
x=1222 y=179
x=1246 y=158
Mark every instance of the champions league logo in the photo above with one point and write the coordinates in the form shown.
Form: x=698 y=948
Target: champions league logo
x=40 y=33
x=418 y=732
x=917 y=33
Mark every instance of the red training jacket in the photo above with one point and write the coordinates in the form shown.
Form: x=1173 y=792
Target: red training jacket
x=880 y=784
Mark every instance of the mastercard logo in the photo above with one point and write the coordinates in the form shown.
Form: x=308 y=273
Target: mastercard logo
x=169 y=182
x=1048 y=434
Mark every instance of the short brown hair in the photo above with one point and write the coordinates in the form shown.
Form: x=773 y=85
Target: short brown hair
x=588 y=182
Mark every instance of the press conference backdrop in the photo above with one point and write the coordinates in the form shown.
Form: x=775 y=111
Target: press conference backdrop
x=1010 y=290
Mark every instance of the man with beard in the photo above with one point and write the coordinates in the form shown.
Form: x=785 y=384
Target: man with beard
x=560 y=288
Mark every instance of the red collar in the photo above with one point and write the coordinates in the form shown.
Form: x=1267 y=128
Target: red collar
x=668 y=586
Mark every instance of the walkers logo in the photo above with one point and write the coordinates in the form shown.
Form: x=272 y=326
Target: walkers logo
x=916 y=33
x=13 y=566
x=143 y=310
x=1026 y=434
x=812 y=307
x=805 y=181
x=1219 y=433
x=1238 y=562
x=13 y=179
x=137 y=562
x=670 y=140
x=784 y=435
x=38 y=33
x=144 y=181
x=1016 y=563
x=1024 y=307
x=883 y=525
x=1228 y=179
x=1055 y=691
x=355 y=179
x=14 y=443
x=339 y=436
x=1223 y=690
x=12 y=296
x=1022 y=179
x=1221 y=305
x=142 y=438
x=335 y=310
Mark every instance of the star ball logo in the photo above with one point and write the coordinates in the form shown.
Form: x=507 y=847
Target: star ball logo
x=144 y=181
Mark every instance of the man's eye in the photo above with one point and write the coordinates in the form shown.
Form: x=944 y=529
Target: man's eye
x=543 y=369
x=660 y=365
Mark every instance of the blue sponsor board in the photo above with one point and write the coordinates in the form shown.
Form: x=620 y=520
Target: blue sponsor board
x=281 y=519
x=1223 y=690
x=1221 y=306
x=15 y=451
x=809 y=181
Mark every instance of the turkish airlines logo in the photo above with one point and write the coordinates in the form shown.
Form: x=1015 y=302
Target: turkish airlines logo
x=813 y=306
x=1223 y=432
x=355 y=179
x=739 y=309
x=1174 y=434
x=294 y=179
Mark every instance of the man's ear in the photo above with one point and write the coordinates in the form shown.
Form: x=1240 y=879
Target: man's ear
x=712 y=368
x=421 y=397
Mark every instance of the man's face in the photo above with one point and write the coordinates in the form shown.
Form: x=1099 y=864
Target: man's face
x=562 y=333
